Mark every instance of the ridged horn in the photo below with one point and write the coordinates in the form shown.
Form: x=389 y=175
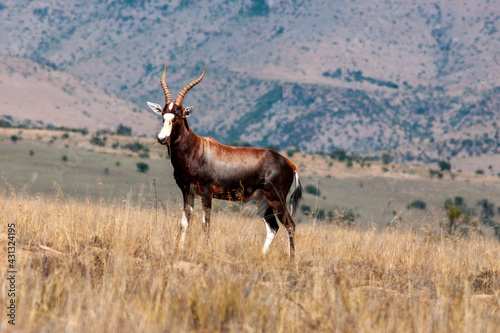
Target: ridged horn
x=168 y=99
x=182 y=94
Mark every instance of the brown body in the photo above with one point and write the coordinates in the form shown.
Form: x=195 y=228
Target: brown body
x=205 y=167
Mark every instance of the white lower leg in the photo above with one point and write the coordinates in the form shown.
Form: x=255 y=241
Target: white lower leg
x=269 y=238
x=184 y=227
x=204 y=221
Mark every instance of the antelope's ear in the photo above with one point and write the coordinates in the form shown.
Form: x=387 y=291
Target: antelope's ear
x=156 y=108
x=187 y=111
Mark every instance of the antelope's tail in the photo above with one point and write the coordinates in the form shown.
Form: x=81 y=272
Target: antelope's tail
x=296 y=195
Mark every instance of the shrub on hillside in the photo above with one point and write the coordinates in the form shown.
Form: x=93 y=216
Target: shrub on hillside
x=311 y=189
x=349 y=163
x=316 y=214
x=386 y=158
x=5 y=123
x=342 y=216
x=142 y=167
x=418 y=204
x=291 y=152
x=123 y=130
x=459 y=215
x=305 y=208
x=453 y=213
x=98 y=141
x=437 y=173
x=135 y=147
x=457 y=201
x=444 y=166
x=339 y=154
x=460 y=203
x=15 y=138
x=487 y=209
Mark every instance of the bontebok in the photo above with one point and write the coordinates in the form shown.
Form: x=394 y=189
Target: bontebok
x=205 y=167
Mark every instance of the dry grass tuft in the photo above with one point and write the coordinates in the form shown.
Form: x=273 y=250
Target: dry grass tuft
x=115 y=267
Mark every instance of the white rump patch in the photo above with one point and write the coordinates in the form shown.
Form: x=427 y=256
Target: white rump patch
x=167 y=126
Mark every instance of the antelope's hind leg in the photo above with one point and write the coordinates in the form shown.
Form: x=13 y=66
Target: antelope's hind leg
x=206 y=202
x=283 y=215
x=267 y=214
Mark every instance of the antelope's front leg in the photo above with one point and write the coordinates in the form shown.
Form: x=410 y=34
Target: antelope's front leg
x=206 y=202
x=186 y=216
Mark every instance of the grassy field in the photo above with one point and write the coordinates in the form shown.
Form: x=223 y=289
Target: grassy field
x=87 y=266
x=96 y=249
x=86 y=172
x=89 y=172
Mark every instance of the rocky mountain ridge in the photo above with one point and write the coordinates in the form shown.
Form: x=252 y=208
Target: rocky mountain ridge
x=319 y=75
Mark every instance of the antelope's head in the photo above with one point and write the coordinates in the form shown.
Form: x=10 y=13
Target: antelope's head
x=173 y=113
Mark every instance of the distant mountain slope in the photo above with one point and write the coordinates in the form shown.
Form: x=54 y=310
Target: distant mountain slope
x=357 y=75
x=36 y=95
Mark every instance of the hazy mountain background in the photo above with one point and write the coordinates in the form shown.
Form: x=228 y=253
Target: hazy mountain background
x=420 y=79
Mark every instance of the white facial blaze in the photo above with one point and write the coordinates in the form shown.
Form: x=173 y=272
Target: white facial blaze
x=167 y=126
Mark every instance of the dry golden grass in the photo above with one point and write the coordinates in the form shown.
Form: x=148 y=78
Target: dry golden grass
x=103 y=267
